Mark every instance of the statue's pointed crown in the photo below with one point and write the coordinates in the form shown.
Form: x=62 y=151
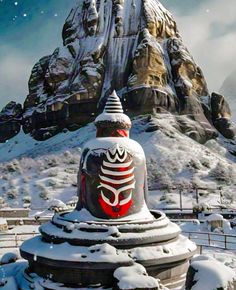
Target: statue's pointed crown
x=113 y=114
x=113 y=105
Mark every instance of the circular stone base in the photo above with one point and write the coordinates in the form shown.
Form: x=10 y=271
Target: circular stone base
x=87 y=253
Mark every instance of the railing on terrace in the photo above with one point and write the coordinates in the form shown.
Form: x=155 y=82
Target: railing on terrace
x=214 y=240
x=13 y=241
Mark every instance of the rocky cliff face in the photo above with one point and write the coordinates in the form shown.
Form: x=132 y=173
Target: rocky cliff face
x=133 y=47
x=10 y=121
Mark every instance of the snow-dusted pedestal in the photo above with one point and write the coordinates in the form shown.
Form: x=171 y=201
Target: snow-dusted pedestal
x=75 y=252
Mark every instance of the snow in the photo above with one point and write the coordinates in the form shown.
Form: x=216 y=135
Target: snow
x=117 y=117
x=24 y=229
x=57 y=203
x=228 y=258
x=48 y=284
x=12 y=270
x=83 y=219
x=173 y=249
x=103 y=253
x=8 y=284
x=215 y=217
x=133 y=277
x=85 y=215
x=211 y=274
x=3 y=221
x=130 y=145
x=9 y=258
x=79 y=231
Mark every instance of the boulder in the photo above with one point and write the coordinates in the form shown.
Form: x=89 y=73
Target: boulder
x=207 y=273
x=221 y=116
x=10 y=121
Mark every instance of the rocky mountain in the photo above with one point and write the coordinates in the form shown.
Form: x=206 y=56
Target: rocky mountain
x=10 y=121
x=133 y=47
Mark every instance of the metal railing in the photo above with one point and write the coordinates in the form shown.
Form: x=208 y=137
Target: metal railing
x=202 y=239
x=13 y=241
x=213 y=240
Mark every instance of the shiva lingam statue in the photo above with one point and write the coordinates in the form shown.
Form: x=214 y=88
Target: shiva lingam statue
x=111 y=230
x=112 y=177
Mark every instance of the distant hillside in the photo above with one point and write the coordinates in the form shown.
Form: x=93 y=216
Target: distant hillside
x=42 y=171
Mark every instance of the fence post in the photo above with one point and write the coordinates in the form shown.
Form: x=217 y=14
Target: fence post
x=225 y=242
x=16 y=243
x=197 y=195
x=181 y=200
x=209 y=239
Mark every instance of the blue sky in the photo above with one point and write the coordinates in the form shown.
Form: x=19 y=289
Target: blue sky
x=30 y=29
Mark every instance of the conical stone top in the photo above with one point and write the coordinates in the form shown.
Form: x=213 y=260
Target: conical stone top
x=113 y=104
x=113 y=115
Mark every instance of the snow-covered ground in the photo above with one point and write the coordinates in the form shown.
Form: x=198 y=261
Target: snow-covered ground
x=32 y=173
x=211 y=254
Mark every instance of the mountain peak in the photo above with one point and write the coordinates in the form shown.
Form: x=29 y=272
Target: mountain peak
x=133 y=47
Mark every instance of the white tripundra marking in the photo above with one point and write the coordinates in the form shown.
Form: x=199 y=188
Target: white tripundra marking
x=116 y=160
x=117 y=173
x=117 y=181
x=111 y=165
x=119 y=154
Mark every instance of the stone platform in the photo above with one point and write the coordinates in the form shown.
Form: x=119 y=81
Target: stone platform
x=74 y=252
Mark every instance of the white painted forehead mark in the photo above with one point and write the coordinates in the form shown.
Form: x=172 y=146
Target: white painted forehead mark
x=117 y=158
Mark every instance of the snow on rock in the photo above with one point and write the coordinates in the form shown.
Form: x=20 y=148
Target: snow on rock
x=135 y=277
x=3 y=221
x=8 y=284
x=57 y=203
x=210 y=274
x=13 y=269
x=215 y=217
x=228 y=258
x=9 y=258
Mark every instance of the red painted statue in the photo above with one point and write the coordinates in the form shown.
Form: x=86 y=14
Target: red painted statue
x=112 y=175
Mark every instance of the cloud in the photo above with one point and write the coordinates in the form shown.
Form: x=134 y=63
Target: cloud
x=15 y=70
x=209 y=31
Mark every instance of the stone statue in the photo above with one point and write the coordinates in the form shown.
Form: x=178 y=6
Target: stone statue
x=112 y=176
